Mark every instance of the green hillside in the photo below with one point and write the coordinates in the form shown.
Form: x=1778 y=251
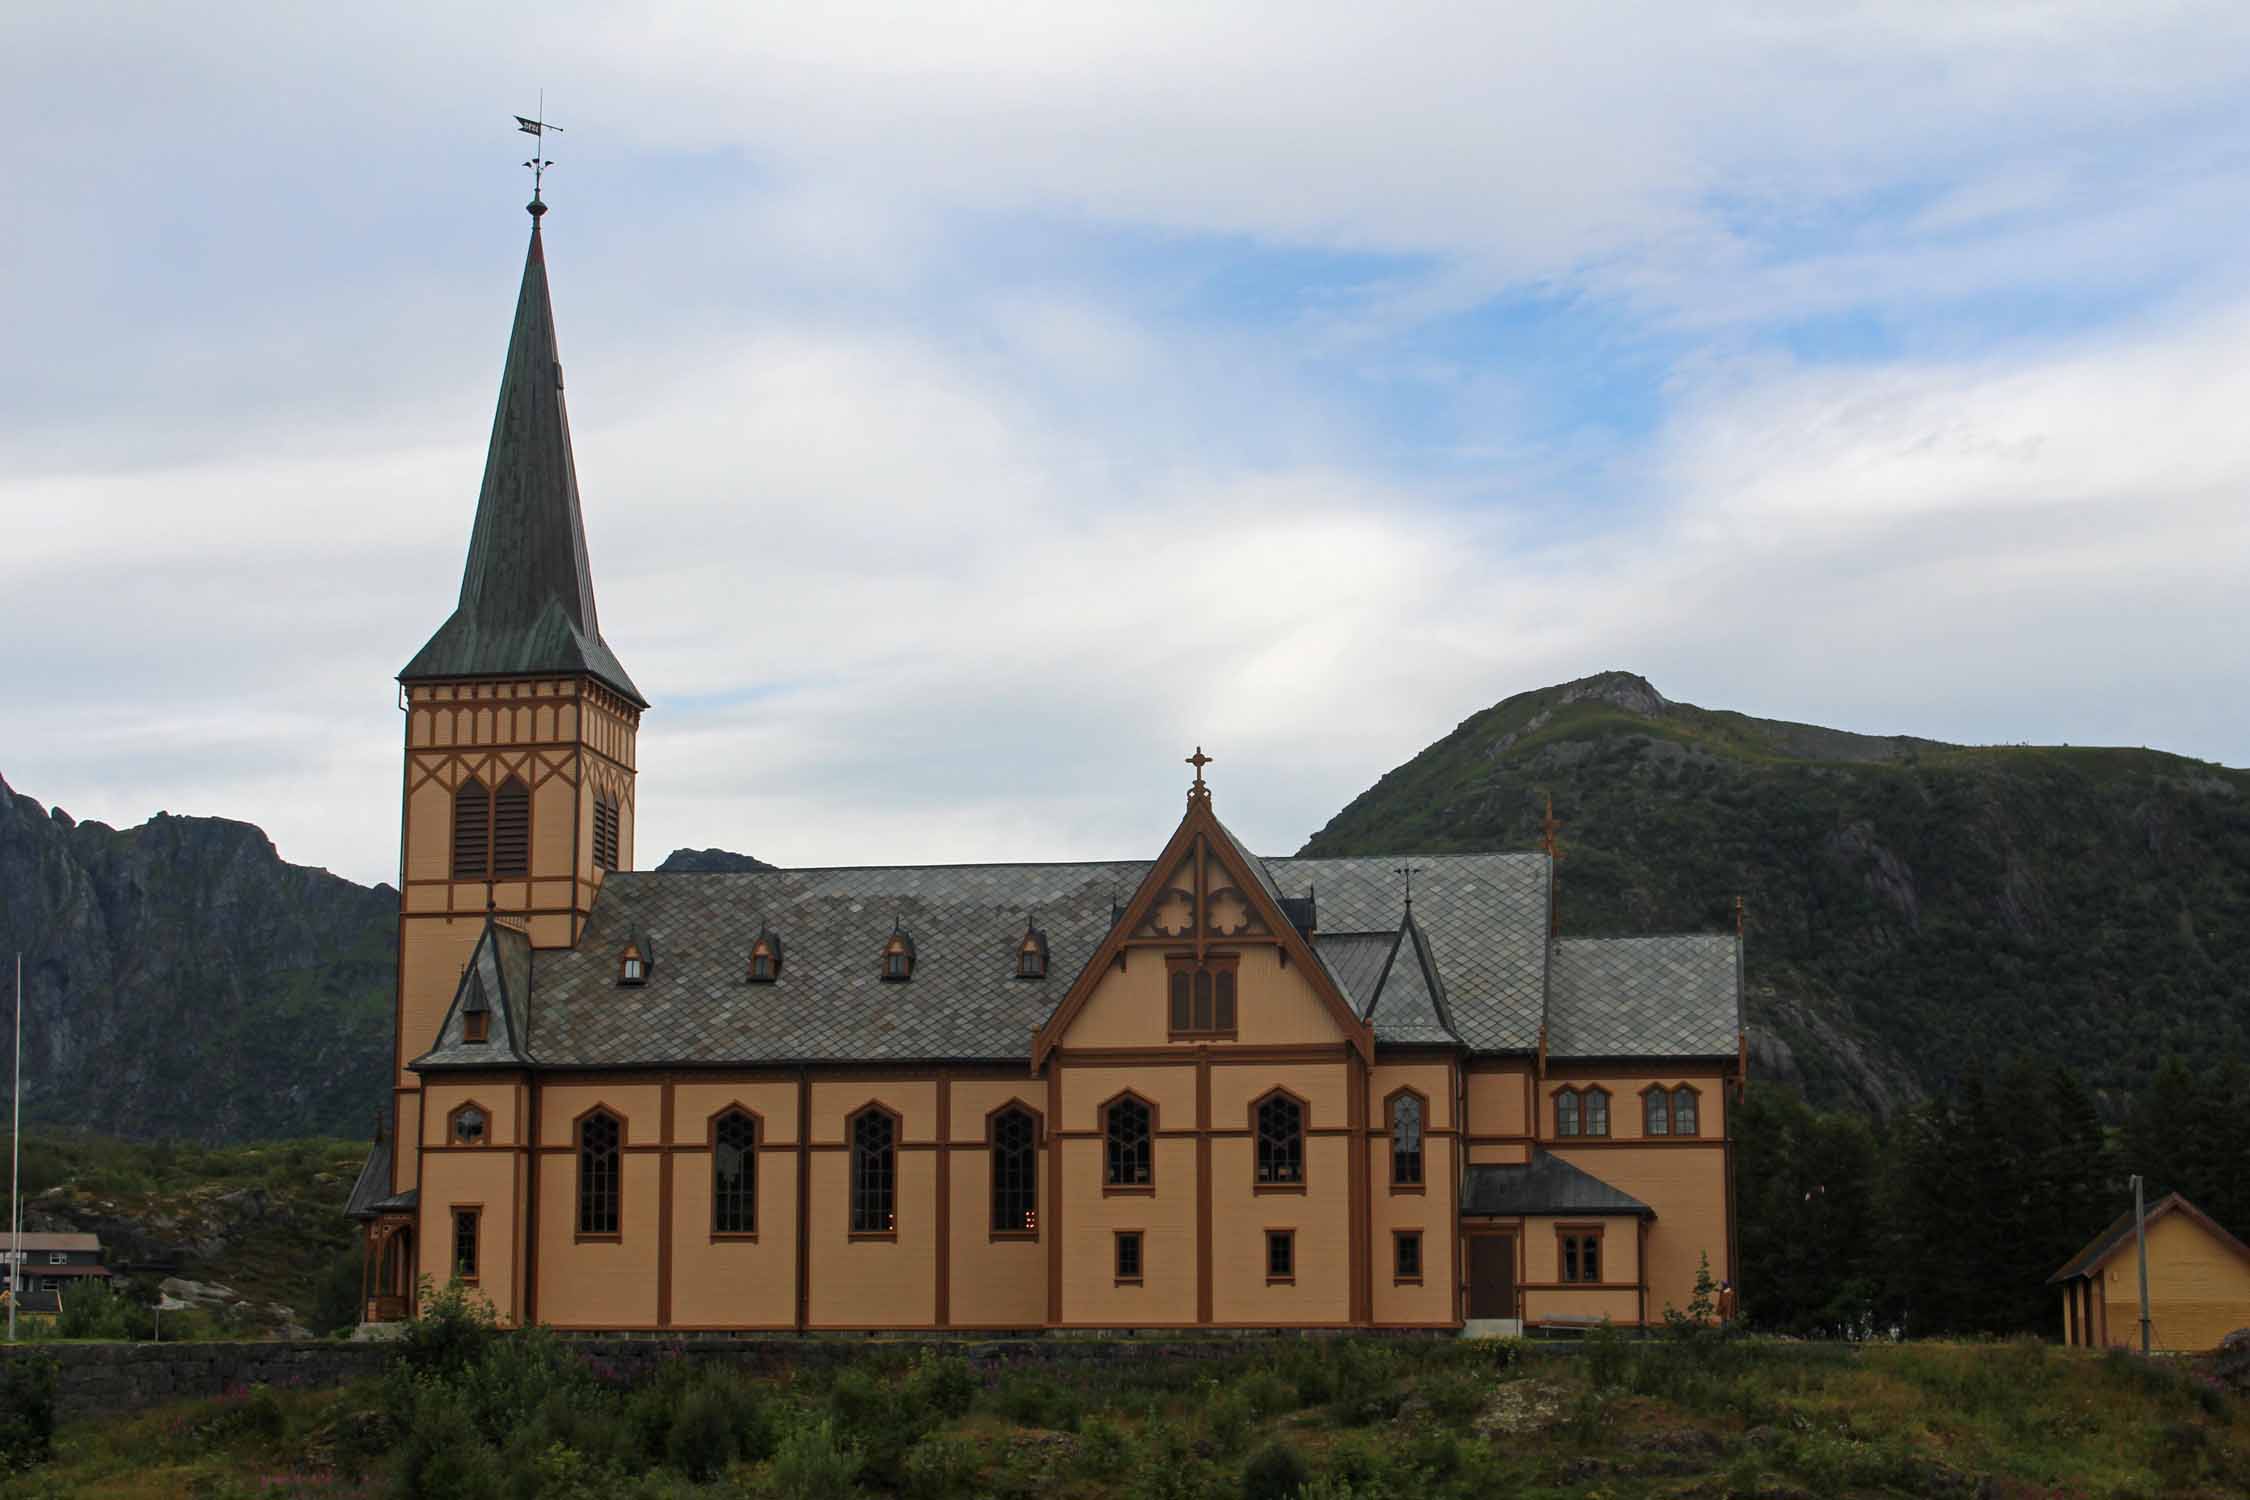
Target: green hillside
x=1913 y=907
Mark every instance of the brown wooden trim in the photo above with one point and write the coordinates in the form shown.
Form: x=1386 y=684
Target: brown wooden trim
x=596 y=1239
x=804 y=1199
x=1595 y=1070
x=1192 y=964
x=1051 y=1222
x=733 y=1237
x=1135 y=1190
x=1222 y=1054
x=665 y=1171
x=533 y=1172
x=1640 y=1268
x=1203 y=1183
x=945 y=1200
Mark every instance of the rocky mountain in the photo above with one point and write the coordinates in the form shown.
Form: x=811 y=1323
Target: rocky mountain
x=711 y=862
x=1913 y=908
x=181 y=981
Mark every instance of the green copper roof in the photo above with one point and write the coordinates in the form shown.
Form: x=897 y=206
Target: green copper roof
x=527 y=596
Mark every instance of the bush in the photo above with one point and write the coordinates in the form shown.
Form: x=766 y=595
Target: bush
x=1267 y=1393
x=512 y=1376
x=1608 y=1359
x=1104 y=1449
x=90 y=1310
x=811 y=1464
x=456 y=1327
x=702 y=1439
x=27 y=1408
x=441 y=1456
x=1454 y=1395
x=938 y=1466
x=944 y=1384
x=1275 y=1472
x=1165 y=1468
x=1037 y=1401
x=1226 y=1415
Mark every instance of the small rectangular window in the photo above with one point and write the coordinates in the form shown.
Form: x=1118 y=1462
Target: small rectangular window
x=1281 y=1255
x=58 y=1257
x=1128 y=1255
x=465 y=1243
x=476 y=1026
x=1581 y=1255
x=1406 y=1255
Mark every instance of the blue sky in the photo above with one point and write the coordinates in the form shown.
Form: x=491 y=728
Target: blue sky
x=977 y=406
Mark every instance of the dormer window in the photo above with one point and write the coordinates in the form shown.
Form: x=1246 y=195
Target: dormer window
x=632 y=966
x=476 y=1026
x=898 y=957
x=1031 y=955
x=765 y=959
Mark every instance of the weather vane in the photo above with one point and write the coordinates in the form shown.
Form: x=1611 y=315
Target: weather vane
x=1409 y=871
x=538 y=163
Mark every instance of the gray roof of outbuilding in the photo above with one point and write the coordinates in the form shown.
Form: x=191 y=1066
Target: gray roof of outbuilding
x=1543 y=1186
x=527 y=594
x=1675 y=996
x=496 y=980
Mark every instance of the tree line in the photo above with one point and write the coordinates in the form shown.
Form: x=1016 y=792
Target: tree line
x=1950 y=1218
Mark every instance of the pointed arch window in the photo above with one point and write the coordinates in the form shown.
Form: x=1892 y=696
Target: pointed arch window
x=511 y=829
x=1015 y=1172
x=1407 y=1112
x=734 y=1174
x=1656 y=1110
x=1279 y=1120
x=1128 y=1129
x=1685 y=1111
x=472 y=830
x=605 y=831
x=600 y=1136
x=874 y=1137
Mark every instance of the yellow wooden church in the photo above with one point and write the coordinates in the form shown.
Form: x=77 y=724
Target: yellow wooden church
x=1198 y=1089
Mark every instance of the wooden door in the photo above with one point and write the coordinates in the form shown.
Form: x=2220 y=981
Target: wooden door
x=1492 y=1276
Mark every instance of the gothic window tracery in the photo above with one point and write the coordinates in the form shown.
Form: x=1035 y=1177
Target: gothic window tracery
x=1015 y=1173
x=1281 y=1141
x=599 y=1160
x=734 y=1174
x=1126 y=1131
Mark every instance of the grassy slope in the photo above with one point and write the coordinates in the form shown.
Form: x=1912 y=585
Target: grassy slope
x=264 y=1219
x=1945 y=903
x=2009 y=1421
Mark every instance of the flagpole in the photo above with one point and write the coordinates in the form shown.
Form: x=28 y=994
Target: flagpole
x=15 y=1171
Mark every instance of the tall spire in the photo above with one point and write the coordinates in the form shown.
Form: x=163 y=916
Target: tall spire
x=527 y=595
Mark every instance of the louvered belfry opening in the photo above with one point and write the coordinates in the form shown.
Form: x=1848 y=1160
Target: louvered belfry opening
x=605 y=831
x=511 y=829
x=472 y=830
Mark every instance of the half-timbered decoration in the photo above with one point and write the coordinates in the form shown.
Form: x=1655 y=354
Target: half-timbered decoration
x=1201 y=1089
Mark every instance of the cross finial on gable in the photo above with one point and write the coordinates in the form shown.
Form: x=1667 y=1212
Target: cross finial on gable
x=1199 y=760
x=1549 y=826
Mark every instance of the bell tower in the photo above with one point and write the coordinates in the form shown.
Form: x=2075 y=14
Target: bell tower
x=520 y=722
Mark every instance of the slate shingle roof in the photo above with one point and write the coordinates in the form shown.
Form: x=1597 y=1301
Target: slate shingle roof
x=372 y=1185
x=1676 y=996
x=1471 y=969
x=1545 y=1185
x=527 y=595
x=497 y=981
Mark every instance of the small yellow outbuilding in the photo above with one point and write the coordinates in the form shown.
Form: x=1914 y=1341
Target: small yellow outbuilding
x=2198 y=1283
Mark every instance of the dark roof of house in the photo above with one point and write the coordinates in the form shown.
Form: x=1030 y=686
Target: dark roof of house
x=1546 y=1185
x=373 y=1183
x=1673 y=996
x=527 y=595
x=2113 y=1239
x=1470 y=969
x=45 y=1241
x=497 y=981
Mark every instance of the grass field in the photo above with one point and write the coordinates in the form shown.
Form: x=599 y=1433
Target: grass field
x=472 y=1415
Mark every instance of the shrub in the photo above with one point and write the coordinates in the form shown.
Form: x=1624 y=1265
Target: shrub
x=938 y=1466
x=2232 y=1367
x=1267 y=1393
x=1454 y=1395
x=1434 y=1454
x=1165 y=1468
x=811 y=1464
x=440 y=1456
x=1608 y=1359
x=944 y=1384
x=512 y=1376
x=882 y=1422
x=90 y=1310
x=27 y=1408
x=702 y=1439
x=456 y=1327
x=1275 y=1472
x=1037 y=1401
x=1226 y=1417
x=1104 y=1449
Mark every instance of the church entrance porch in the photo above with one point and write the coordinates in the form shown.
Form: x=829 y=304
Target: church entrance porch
x=390 y=1273
x=1492 y=1309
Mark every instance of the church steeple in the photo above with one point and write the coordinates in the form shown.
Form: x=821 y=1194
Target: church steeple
x=527 y=595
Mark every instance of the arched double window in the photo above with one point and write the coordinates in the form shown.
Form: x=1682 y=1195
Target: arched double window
x=491 y=830
x=874 y=1141
x=1015 y=1172
x=1127 y=1139
x=1406 y=1139
x=1582 y=1112
x=734 y=1174
x=1669 y=1111
x=600 y=1137
x=1279 y=1120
